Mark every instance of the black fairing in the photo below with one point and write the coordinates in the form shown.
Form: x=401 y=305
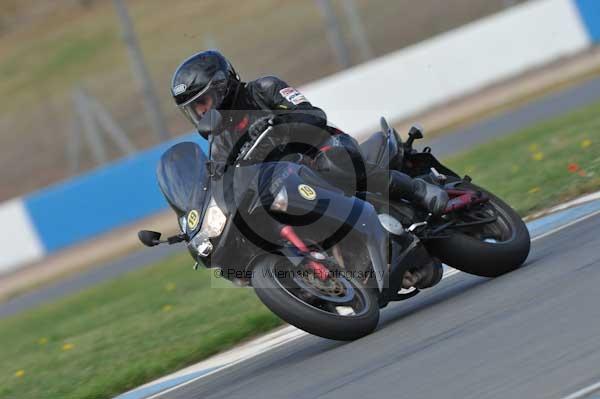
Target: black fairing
x=328 y=218
x=420 y=163
x=183 y=177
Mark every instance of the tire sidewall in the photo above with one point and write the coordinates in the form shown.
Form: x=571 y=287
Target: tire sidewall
x=474 y=256
x=295 y=312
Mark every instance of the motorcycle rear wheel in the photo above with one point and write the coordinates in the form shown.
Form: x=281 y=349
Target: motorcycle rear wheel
x=470 y=252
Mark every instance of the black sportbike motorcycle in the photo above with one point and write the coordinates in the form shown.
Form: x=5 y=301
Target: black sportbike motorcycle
x=323 y=259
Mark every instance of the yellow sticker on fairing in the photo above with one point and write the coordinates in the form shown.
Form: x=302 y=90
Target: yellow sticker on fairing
x=192 y=219
x=307 y=192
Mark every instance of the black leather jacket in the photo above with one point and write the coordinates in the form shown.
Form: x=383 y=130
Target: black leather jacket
x=253 y=100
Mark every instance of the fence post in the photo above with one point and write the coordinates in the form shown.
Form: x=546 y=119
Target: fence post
x=334 y=33
x=90 y=129
x=357 y=29
x=141 y=73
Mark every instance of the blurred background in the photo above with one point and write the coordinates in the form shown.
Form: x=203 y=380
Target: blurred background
x=53 y=50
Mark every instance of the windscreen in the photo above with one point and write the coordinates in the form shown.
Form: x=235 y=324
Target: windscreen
x=183 y=177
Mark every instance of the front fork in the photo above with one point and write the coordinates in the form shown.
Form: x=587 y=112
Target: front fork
x=287 y=233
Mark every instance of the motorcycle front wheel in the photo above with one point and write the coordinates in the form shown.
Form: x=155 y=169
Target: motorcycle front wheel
x=339 y=308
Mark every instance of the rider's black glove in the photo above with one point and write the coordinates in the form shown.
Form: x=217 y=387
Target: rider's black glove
x=259 y=126
x=268 y=144
x=278 y=122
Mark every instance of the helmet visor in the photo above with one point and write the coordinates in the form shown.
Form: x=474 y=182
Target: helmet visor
x=196 y=107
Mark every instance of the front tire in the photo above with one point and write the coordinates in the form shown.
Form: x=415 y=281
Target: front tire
x=308 y=317
x=472 y=255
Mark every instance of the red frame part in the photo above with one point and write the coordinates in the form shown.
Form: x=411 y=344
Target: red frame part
x=460 y=199
x=288 y=233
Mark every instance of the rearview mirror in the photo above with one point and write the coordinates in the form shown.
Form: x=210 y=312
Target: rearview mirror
x=149 y=238
x=416 y=132
x=210 y=123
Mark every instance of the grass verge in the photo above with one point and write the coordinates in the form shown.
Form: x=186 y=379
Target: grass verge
x=540 y=166
x=120 y=334
x=123 y=333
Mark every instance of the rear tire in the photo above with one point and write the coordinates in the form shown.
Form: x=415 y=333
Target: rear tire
x=473 y=256
x=308 y=318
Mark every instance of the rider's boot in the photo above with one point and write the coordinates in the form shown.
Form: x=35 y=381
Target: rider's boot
x=429 y=196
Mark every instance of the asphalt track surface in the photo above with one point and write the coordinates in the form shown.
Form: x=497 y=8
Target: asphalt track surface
x=541 y=109
x=532 y=333
x=454 y=142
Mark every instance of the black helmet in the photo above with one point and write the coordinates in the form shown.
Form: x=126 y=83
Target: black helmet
x=206 y=78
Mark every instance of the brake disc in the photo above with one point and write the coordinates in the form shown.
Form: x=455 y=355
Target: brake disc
x=337 y=290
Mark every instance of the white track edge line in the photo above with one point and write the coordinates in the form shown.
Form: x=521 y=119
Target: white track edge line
x=584 y=392
x=228 y=365
x=566 y=225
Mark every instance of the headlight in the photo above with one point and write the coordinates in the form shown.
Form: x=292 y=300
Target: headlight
x=280 y=203
x=214 y=221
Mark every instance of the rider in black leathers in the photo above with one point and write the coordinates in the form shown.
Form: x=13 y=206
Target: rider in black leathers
x=207 y=80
